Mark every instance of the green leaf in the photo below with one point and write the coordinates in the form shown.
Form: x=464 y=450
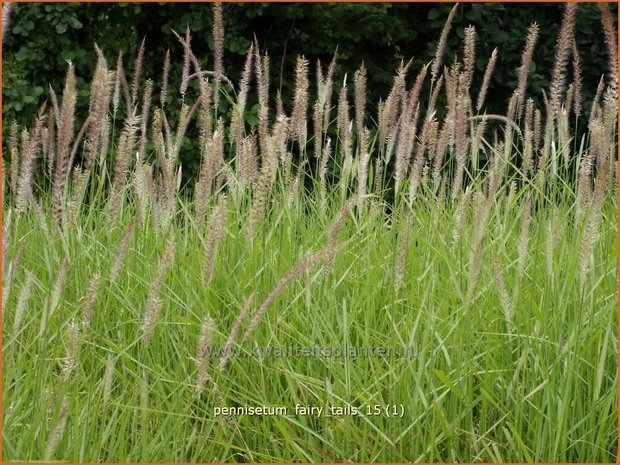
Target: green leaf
x=251 y=119
x=67 y=55
x=75 y=23
x=434 y=13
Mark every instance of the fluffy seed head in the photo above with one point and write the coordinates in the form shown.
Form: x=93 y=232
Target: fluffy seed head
x=153 y=303
x=469 y=54
x=203 y=353
x=215 y=232
x=441 y=45
x=90 y=298
x=137 y=71
x=164 y=79
x=562 y=52
x=227 y=350
x=360 y=98
x=300 y=105
x=304 y=265
x=611 y=42
x=108 y=379
x=120 y=254
x=502 y=290
x=186 y=63
x=577 y=82
x=73 y=346
x=526 y=61
x=57 y=433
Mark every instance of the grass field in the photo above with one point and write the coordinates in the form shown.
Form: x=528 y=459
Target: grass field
x=469 y=259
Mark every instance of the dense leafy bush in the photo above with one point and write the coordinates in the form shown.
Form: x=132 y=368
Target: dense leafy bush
x=43 y=37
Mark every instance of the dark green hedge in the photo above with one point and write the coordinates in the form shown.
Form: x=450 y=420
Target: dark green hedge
x=44 y=36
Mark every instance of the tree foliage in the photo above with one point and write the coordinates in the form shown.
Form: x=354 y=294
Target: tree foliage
x=43 y=37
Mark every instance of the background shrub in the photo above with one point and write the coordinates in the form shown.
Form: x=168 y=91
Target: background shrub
x=43 y=37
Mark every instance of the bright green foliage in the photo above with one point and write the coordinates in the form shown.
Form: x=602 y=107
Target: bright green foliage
x=478 y=386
